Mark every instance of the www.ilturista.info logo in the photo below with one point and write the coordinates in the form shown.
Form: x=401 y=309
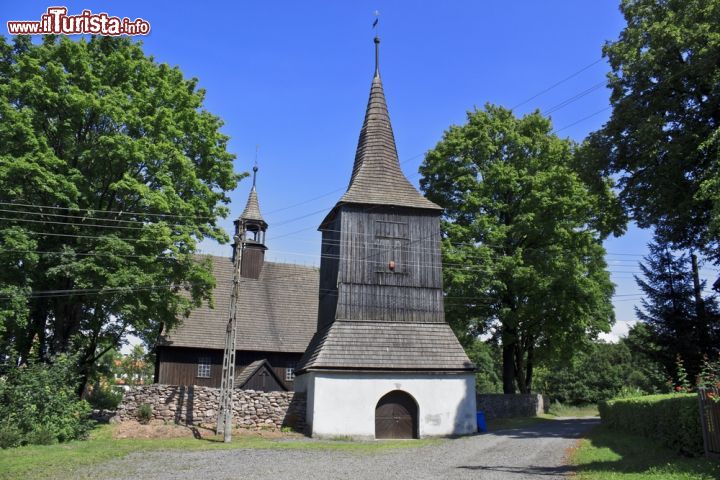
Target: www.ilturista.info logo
x=57 y=21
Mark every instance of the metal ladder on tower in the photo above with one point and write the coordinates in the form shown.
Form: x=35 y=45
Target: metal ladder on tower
x=227 y=383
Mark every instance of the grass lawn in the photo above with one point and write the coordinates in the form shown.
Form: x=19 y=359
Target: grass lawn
x=559 y=410
x=43 y=461
x=605 y=454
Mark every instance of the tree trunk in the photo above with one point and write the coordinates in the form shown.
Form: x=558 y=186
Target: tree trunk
x=508 y=351
x=529 y=371
x=520 y=368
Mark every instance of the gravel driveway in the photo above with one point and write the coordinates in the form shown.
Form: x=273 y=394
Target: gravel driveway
x=535 y=452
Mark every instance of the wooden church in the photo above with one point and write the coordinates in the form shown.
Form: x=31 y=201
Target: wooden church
x=383 y=362
x=276 y=318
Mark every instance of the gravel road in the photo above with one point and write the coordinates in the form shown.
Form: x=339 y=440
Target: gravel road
x=536 y=452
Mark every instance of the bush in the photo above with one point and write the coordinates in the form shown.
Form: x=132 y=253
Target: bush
x=40 y=402
x=41 y=436
x=671 y=419
x=144 y=413
x=104 y=398
x=10 y=436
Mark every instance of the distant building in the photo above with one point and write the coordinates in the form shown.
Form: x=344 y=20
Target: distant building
x=383 y=362
x=276 y=319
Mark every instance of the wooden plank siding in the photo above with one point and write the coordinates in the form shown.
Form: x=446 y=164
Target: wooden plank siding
x=329 y=261
x=369 y=289
x=253 y=257
x=179 y=366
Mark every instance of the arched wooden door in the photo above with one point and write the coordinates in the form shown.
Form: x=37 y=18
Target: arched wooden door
x=396 y=416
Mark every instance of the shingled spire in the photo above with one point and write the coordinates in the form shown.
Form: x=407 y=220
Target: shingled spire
x=252 y=208
x=377 y=178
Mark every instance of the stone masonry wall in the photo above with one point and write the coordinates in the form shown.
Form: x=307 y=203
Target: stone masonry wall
x=512 y=405
x=195 y=405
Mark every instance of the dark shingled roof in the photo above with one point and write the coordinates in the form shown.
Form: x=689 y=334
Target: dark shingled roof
x=277 y=312
x=246 y=374
x=385 y=346
x=252 y=208
x=376 y=177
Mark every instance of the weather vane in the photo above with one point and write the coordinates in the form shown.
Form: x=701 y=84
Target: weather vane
x=377 y=18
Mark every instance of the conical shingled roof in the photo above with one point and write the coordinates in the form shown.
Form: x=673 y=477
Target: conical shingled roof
x=252 y=209
x=377 y=178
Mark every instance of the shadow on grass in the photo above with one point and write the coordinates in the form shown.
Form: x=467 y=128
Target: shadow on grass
x=606 y=453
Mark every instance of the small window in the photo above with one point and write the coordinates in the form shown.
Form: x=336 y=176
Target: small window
x=290 y=373
x=203 y=367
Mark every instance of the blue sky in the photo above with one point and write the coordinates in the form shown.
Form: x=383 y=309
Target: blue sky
x=293 y=77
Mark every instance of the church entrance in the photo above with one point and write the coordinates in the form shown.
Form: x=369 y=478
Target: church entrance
x=396 y=416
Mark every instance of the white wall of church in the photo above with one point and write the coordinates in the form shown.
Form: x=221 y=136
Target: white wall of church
x=341 y=404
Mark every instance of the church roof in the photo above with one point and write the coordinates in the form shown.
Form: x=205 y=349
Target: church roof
x=252 y=208
x=376 y=177
x=278 y=311
x=385 y=346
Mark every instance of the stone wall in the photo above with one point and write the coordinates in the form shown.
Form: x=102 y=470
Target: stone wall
x=512 y=405
x=195 y=405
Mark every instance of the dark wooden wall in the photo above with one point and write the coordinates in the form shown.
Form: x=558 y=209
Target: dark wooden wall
x=263 y=381
x=368 y=288
x=253 y=257
x=179 y=366
x=329 y=264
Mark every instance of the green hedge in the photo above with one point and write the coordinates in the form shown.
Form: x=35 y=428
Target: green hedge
x=671 y=419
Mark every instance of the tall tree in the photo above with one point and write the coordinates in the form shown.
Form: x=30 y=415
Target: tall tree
x=676 y=324
x=111 y=172
x=662 y=137
x=522 y=239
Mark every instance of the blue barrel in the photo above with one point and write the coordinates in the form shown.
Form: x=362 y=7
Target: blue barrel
x=481 y=425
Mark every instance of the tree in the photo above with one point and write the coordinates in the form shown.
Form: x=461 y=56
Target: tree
x=603 y=371
x=671 y=314
x=662 y=137
x=111 y=172
x=485 y=357
x=522 y=239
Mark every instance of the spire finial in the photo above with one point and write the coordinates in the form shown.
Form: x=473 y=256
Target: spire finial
x=377 y=56
x=377 y=44
x=255 y=166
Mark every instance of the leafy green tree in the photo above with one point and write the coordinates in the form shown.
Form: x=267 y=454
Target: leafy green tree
x=486 y=359
x=662 y=137
x=111 y=172
x=600 y=372
x=38 y=404
x=670 y=312
x=523 y=232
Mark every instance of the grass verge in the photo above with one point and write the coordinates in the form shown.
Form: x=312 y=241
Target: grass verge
x=559 y=410
x=606 y=454
x=61 y=460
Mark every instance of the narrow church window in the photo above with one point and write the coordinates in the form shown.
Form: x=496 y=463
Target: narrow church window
x=203 y=367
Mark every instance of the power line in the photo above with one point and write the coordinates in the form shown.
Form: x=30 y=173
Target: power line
x=114 y=212
x=558 y=83
x=574 y=98
x=582 y=120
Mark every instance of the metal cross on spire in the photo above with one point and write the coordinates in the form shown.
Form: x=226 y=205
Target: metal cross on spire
x=377 y=43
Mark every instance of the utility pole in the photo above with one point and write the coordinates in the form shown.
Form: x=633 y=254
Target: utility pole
x=227 y=384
